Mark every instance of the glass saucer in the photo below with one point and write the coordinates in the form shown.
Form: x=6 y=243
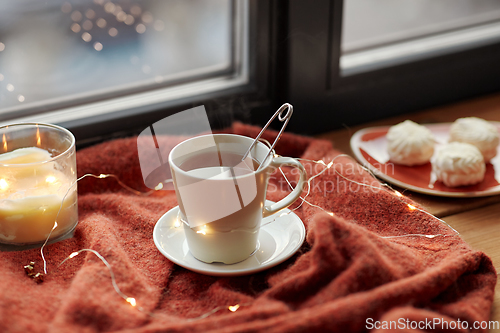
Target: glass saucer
x=280 y=236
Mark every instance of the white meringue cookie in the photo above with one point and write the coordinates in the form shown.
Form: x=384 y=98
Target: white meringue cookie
x=409 y=143
x=459 y=164
x=477 y=132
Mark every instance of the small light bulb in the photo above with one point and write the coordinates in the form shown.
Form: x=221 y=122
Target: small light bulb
x=72 y=255
x=201 y=232
x=330 y=213
x=233 y=308
x=398 y=194
x=159 y=186
x=102 y=176
x=411 y=207
x=131 y=300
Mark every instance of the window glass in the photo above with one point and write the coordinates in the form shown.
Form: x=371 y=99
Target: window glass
x=57 y=53
x=387 y=32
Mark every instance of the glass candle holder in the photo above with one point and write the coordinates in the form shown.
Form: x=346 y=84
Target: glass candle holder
x=38 y=196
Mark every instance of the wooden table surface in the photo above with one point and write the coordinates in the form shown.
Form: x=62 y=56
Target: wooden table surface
x=476 y=219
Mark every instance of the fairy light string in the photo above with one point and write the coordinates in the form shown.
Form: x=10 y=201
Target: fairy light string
x=128 y=299
x=233 y=308
x=131 y=300
x=101 y=176
x=230 y=308
x=396 y=193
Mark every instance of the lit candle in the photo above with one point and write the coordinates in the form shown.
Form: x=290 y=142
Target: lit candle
x=34 y=194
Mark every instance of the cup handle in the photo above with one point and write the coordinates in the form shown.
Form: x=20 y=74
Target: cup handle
x=294 y=195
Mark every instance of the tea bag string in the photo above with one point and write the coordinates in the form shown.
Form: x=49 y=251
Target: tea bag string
x=283 y=118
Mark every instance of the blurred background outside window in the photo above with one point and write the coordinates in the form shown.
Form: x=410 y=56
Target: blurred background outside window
x=58 y=53
x=382 y=33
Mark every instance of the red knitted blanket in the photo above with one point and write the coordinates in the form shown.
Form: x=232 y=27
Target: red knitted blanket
x=351 y=274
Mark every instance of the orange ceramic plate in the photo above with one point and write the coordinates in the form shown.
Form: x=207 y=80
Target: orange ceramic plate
x=370 y=148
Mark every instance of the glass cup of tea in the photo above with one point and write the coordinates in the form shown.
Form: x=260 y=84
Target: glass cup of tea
x=222 y=197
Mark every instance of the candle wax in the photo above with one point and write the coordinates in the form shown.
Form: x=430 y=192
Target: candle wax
x=34 y=194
